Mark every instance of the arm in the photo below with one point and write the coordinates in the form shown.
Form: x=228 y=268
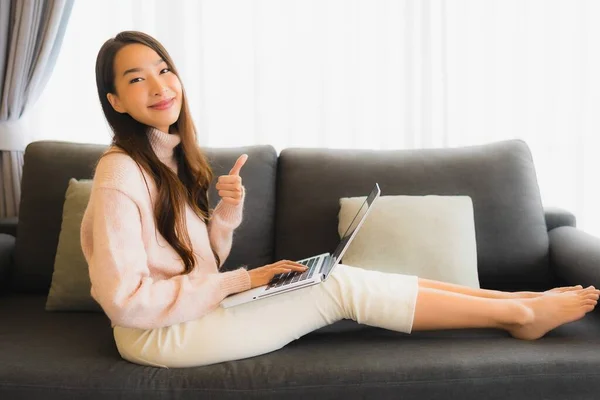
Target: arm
x=224 y=220
x=7 y=247
x=575 y=256
x=556 y=217
x=120 y=277
x=9 y=225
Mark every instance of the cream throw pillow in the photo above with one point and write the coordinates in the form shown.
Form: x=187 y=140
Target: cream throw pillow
x=70 y=288
x=430 y=236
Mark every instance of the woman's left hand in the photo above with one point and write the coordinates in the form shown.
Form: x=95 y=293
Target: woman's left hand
x=230 y=186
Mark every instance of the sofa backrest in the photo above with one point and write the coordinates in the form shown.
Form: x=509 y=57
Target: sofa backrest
x=48 y=166
x=500 y=178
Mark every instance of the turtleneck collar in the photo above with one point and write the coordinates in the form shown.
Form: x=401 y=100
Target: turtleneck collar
x=163 y=143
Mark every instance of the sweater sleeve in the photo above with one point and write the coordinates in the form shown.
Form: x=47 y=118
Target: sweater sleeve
x=224 y=220
x=120 y=276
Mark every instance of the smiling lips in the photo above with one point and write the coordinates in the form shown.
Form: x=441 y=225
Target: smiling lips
x=163 y=105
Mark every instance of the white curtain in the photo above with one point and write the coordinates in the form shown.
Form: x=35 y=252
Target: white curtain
x=364 y=74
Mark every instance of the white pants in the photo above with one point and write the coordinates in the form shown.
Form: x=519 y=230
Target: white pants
x=369 y=297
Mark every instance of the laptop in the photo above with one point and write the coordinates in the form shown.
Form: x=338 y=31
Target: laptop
x=319 y=266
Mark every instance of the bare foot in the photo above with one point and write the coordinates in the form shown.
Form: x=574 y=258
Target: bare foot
x=532 y=295
x=549 y=312
x=563 y=289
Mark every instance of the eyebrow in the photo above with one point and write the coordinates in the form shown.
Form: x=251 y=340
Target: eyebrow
x=139 y=69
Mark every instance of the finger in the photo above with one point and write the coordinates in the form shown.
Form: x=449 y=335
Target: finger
x=298 y=267
x=291 y=267
x=299 y=264
x=229 y=186
x=279 y=271
x=289 y=263
x=229 y=179
x=229 y=193
x=239 y=164
x=295 y=263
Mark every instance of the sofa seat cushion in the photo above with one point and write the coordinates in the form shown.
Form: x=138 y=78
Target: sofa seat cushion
x=72 y=355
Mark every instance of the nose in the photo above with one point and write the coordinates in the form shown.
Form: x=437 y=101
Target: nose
x=159 y=88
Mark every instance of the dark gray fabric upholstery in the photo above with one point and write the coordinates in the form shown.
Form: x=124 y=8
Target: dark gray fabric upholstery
x=7 y=247
x=575 y=256
x=9 y=225
x=49 y=165
x=253 y=240
x=46 y=171
x=512 y=241
x=556 y=217
x=72 y=355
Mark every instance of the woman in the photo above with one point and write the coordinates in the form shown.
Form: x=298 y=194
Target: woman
x=154 y=248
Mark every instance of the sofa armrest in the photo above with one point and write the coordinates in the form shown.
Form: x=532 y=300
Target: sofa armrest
x=7 y=246
x=9 y=225
x=557 y=217
x=575 y=256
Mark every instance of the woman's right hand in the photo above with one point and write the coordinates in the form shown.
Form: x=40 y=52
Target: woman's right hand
x=262 y=275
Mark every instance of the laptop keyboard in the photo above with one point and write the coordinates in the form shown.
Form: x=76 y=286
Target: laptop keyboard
x=294 y=276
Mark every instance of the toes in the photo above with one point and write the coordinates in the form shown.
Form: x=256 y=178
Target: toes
x=587 y=290
x=576 y=287
x=565 y=289
x=589 y=307
x=572 y=288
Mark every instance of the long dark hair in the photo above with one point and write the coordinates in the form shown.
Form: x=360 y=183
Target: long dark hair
x=194 y=173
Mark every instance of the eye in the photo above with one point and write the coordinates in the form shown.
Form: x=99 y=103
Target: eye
x=165 y=70
x=134 y=80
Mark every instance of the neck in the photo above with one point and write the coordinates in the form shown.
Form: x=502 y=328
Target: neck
x=163 y=143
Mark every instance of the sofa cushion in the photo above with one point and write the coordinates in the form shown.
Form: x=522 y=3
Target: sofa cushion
x=48 y=166
x=72 y=355
x=70 y=287
x=429 y=236
x=500 y=178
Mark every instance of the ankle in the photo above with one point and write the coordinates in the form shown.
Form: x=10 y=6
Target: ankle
x=524 y=295
x=520 y=314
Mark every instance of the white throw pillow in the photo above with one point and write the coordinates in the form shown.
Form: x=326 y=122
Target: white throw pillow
x=429 y=236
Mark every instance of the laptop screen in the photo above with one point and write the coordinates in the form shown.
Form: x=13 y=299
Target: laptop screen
x=360 y=215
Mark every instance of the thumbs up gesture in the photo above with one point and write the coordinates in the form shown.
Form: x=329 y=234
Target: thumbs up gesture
x=230 y=186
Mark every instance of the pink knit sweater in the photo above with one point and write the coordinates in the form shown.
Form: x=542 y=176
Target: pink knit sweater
x=136 y=275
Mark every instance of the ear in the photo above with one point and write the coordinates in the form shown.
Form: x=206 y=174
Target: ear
x=115 y=103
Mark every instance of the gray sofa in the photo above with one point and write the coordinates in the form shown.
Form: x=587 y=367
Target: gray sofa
x=291 y=212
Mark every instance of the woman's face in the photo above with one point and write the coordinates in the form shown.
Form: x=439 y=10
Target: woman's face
x=145 y=87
